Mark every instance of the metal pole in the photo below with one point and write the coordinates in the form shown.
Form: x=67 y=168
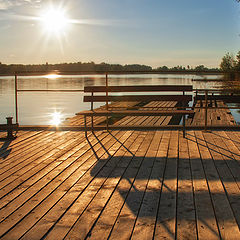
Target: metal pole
x=184 y=119
x=206 y=106
x=92 y=110
x=107 y=91
x=184 y=126
x=85 y=125
x=107 y=99
x=16 y=98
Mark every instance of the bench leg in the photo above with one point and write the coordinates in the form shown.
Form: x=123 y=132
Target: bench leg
x=92 y=122
x=107 y=122
x=92 y=125
x=85 y=125
x=184 y=125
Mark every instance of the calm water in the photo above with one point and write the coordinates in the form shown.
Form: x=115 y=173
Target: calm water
x=47 y=107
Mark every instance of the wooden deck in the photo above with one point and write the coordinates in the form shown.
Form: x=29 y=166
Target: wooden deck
x=120 y=185
x=216 y=117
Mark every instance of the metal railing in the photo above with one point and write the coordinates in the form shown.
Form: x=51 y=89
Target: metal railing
x=206 y=93
x=16 y=90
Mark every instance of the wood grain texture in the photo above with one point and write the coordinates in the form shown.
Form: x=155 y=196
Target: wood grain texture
x=121 y=185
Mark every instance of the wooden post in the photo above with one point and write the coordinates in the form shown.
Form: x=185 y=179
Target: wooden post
x=107 y=91
x=206 y=106
x=16 y=98
x=85 y=125
x=184 y=126
x=10 y=128
x=195 y=100
x=184 y=119
x=107 y=99
x=92 y=110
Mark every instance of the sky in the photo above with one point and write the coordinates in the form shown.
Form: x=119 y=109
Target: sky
x=150 y=32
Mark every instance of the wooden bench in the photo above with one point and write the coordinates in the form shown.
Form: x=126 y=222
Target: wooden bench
x=182 y=98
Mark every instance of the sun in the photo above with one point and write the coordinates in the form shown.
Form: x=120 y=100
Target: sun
x=54 y=20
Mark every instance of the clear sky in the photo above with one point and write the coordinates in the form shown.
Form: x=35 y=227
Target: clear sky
x=151 y=32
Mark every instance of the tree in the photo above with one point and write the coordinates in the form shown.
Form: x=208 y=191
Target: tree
x=201 y=68
x=228 y=62
x=238 y=60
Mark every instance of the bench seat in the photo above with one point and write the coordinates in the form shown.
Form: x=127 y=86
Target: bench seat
x=114 y=113
x=136 y=112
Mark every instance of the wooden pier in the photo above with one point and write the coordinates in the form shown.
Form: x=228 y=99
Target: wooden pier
x=218 y=114
x=122 y=184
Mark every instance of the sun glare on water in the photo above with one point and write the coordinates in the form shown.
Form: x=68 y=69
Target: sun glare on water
x=52 y=76
x=56 y=118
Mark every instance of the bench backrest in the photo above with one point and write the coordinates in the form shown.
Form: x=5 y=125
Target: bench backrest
x=142 y=88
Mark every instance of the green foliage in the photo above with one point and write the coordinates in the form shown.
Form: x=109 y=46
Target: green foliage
x=238 y=61
x=228 y=62
x=180 y=68
x=201 y=68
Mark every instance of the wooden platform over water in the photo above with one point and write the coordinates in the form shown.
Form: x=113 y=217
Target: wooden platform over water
x=120 y=185
x=218 y=114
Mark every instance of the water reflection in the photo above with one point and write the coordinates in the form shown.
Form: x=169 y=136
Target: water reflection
x=40 y=107
x=56 y=118
x=52 y=76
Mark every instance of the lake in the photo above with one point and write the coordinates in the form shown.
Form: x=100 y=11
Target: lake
x=36 y=108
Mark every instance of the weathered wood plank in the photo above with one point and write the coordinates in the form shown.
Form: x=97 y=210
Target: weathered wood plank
x=207 y=226
x=166 y=219
x=225 y=218
x=130 y=98
x=129 y=211
x=157 y=185
x=39 y=178
x=45 y=224
x=186 y=221
x=104 y=224
x=221 y=158
x=145 y=222
x=140 y=88
x=48 y=195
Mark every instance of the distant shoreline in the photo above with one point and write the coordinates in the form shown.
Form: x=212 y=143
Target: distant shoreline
x=183 y=72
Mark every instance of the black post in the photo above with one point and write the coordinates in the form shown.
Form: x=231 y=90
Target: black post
x=107 y=100
x=10 y=128
x=184 y=119
x=206 y=109
x=92 y=110
x=184 y=126
x=16 y=98
x=85 y=125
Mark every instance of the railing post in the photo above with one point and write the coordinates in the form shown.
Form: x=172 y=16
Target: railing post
x=196 y=97
x=16 y=98
x=107 y=91
x=206 y=108
x=184 y=117
x=92 y=110
x=107 y=99
x=10 y=128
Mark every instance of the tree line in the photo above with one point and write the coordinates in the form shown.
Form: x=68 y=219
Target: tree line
x=93 y=67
